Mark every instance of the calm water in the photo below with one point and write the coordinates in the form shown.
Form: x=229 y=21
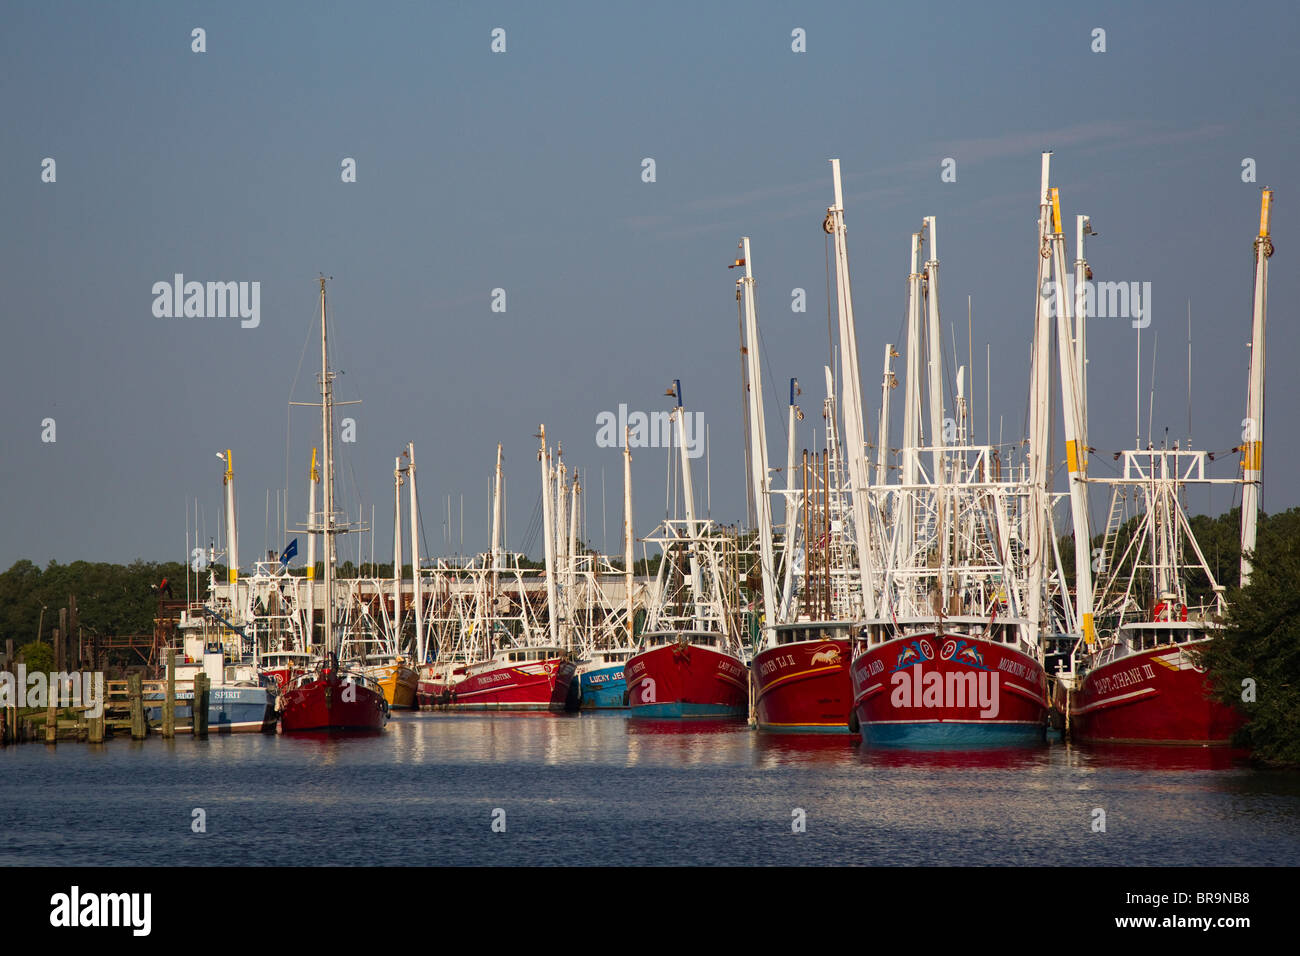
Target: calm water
x=600 y=789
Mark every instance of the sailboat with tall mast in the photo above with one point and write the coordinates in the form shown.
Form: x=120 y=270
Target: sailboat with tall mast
x=332 y=696
x=1143 y=681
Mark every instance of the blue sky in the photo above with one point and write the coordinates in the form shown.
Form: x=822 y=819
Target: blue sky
x=522 y=170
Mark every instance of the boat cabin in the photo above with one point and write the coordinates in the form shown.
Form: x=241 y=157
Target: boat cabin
x=813 y=632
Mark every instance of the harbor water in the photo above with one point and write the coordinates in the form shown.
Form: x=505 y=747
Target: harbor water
x=600 y=788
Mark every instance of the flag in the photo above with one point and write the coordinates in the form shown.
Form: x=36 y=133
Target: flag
x=290 y=552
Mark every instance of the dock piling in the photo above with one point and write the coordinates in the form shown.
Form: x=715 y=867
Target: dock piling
x=169 y=702
x=136 y=694
x=201 y=706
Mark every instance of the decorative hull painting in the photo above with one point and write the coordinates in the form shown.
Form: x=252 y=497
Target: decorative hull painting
x=677 y=680
x=1157 y=696
x=804 y=687
x=923 y=690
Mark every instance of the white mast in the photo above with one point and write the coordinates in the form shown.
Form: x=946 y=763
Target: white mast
x=548 y=538
x=758 y=451
x=904 y=529
x=571 y=570
x=888 y=383
x=1252 y=463
x=1074 y=414
x=232 y=535
x=688 y=496
x=934 y=334
x=397 y=548
x=1082 y=276
x=627 y=533
x=415 y=555
x=327 y=442
x=851 y=398
x=313 y=479
x=791 y=508
x=1040 y=412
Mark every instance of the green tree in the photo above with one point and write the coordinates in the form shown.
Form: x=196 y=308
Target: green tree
x=38 y=656
x=1258 y=653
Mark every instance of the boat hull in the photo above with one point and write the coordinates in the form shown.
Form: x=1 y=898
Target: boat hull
x=804 y=687
x=603 y=688
x=399 y=684
x=231 y=710
x=926 y=691
x=331 y=703
x=537 y=685
x=1156 y=696
x=678 y=680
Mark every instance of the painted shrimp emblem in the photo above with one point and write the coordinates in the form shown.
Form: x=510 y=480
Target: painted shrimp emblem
x=916 y=652
x=829 y=656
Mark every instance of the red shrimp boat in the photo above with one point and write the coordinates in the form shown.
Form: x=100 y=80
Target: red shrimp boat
x=686 y=674
x=1148 y=687
x=802 y=682
x=333 y=699
x=967 y=684
x=515 y=678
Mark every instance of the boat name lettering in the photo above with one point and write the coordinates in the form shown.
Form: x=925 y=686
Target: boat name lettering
x=1126 y=678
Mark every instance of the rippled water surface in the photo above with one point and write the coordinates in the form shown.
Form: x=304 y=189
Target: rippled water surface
x=602 y=789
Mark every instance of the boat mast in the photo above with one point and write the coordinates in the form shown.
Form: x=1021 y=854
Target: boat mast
x=627 y=533
x=1082 y=276
x=416 y=597
x=548 y=537
x=887 y=384
x=313 y=479
x=397 y=549
x=327 y=443
x=1040 y=411
x=232 y=535
x=791 y=508
x=904 y=528
x=851 y=397
x=758 y=450
x=688 y=497
x=496 y=548
x=1075 y=415
x=934 y=375
x=571 y=568
x=1252 y=463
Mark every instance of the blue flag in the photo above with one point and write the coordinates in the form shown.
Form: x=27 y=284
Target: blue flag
x=290 y=552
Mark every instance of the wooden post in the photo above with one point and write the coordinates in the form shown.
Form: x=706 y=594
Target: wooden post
x=74 y=630
x=201 y=705
x=135 y=690
x=11 y=722
x=95 y=732
x=52 y=718
x=169 y=702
